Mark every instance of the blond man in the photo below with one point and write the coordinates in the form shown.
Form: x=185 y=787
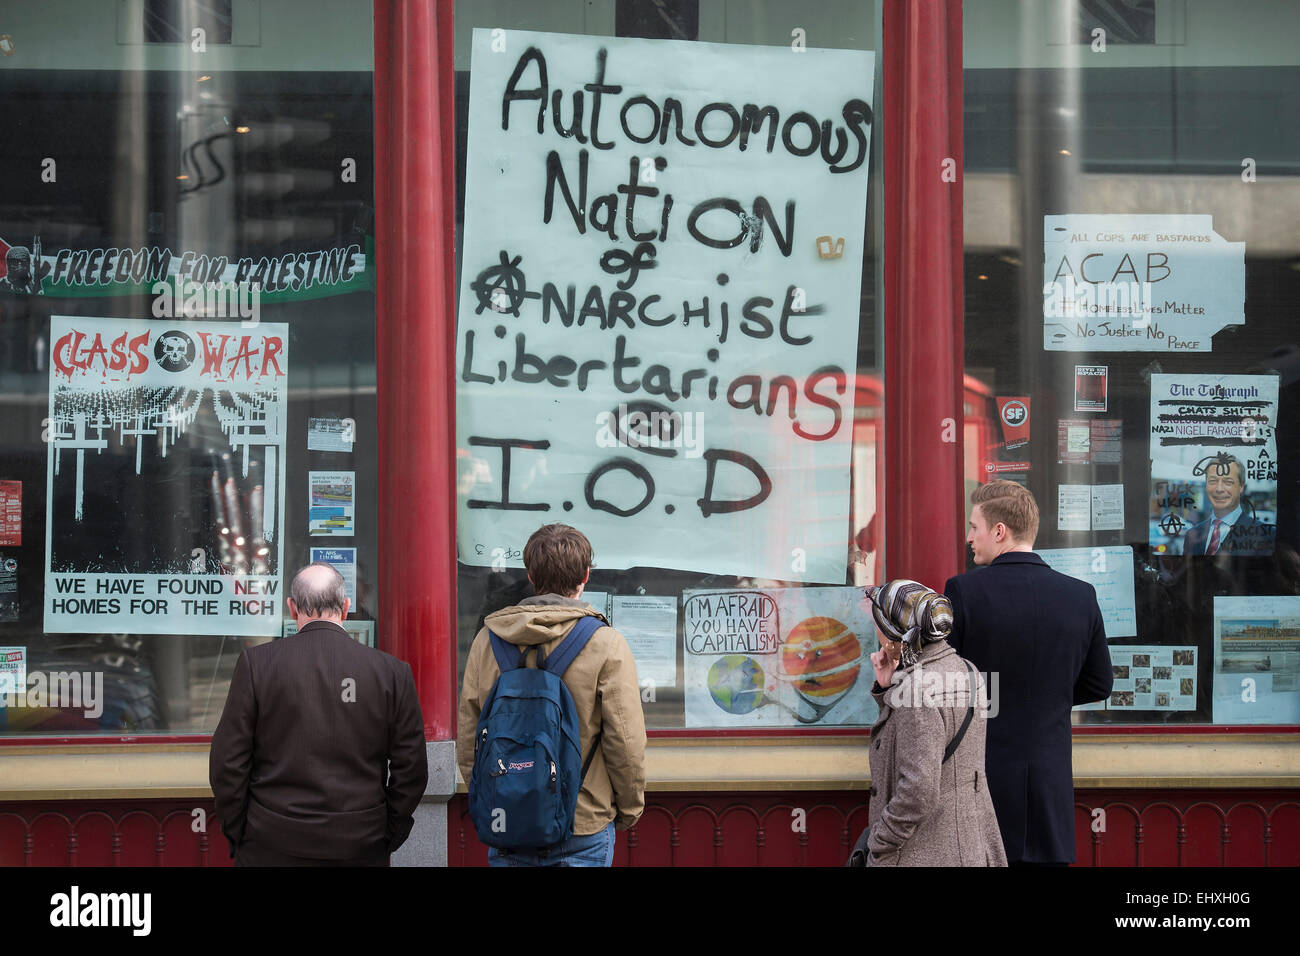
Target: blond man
x=1039 y=636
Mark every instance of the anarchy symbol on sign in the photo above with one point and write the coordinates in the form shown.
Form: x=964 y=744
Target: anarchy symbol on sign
x=1172 y=525
x=502 y=288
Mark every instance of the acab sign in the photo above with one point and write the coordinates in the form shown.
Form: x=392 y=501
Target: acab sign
x=1139 y=283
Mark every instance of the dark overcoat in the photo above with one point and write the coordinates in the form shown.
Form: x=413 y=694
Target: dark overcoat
x=1039 y=635
x=319 y=753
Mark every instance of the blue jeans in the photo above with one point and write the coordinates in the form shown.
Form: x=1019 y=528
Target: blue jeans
x=596 y=849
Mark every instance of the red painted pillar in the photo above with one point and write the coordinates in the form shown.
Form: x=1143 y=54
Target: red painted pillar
x=414 y=226
x=925 y=515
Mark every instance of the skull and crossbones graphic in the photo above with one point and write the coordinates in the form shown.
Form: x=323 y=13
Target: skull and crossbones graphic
x=175 y=350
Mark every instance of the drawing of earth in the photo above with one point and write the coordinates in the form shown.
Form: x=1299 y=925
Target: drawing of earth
x=736 y=683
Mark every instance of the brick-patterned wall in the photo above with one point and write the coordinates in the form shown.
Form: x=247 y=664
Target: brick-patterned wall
x=1137 y=828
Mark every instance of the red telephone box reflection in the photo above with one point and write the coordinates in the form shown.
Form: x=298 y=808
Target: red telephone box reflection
x=868 y=475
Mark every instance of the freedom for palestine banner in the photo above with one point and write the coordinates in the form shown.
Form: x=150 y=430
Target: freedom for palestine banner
x=28 y=268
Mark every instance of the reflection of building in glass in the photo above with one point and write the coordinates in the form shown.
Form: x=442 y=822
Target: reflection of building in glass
x=1259 y=630
x=1132 y=21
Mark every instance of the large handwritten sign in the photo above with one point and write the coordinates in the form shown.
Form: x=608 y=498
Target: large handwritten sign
x=658 y=318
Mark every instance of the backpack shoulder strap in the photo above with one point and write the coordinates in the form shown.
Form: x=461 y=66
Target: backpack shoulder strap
x=508 y=656
x=563 y=655
x=961 y=731
x=558 y=661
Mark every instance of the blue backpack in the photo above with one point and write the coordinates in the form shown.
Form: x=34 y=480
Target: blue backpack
x=528 y=765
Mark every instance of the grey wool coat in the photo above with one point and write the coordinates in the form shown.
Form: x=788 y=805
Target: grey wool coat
x=925 y=812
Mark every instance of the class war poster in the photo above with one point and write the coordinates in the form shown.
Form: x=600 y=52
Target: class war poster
x=658 y=318
x=778 y=657
x=1213 y=456
x=165 y=478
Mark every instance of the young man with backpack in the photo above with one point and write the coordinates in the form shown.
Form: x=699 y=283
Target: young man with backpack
x=551 y=735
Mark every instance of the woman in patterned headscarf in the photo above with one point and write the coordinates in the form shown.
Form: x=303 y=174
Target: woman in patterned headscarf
x=930 y=804
x=909 y=616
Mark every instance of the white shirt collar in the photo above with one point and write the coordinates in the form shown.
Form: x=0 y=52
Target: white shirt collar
x=1229 y=519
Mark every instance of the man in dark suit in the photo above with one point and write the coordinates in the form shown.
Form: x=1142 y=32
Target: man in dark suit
x=318 y=759
x=1228 y=529
x=1039 y=635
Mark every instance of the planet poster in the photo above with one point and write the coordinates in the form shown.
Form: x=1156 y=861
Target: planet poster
x=781 y=657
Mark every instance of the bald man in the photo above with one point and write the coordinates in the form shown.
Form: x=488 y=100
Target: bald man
x=319 y=756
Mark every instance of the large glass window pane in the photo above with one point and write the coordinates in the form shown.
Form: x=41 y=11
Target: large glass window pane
x=693 y=382
x=187 y=347
x=1132 y=275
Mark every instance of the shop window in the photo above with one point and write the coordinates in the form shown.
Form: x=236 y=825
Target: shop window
x=187 y=352
x=1132 y=274
x=693 y=382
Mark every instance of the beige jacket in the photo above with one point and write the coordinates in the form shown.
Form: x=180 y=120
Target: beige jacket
x=925 y=812
x=603 y=682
